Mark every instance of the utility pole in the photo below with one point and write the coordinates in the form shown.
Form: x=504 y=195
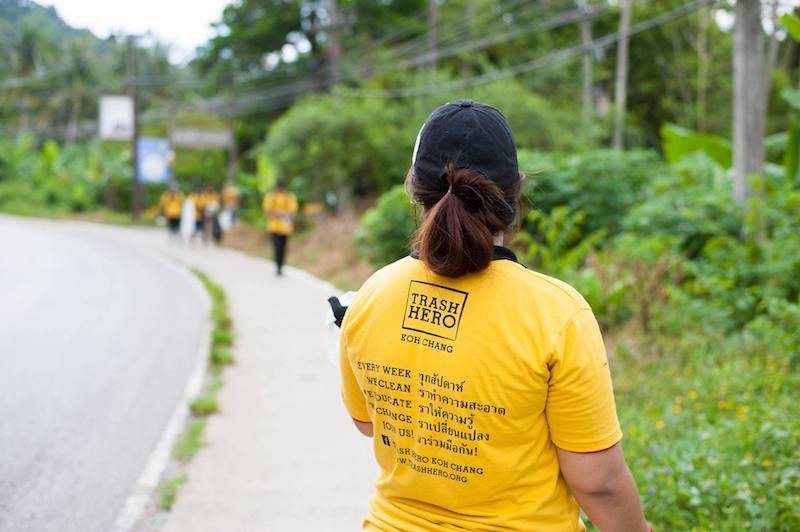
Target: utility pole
x=467 y=64
x=433 y=9
x=621 y=85
x=586 y=64
x=748 y=107
x=702 y=66
x=133 y=91
x=333 y=50
x=171 y=127
x=233 y=153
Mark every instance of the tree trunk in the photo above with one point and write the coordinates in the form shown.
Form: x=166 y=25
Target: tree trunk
x=333 y=50
x=586 y=70
x=748 y=98
x=621 y=84
x=24 y=119
x=772 y=56
x=74 y=116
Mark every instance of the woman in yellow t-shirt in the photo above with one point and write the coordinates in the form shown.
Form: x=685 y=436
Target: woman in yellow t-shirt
x=171 y=205
x=485 y=385
x=280 y=208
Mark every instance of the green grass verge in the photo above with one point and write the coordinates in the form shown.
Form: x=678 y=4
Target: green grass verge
x=206 y=404
x=169 y=491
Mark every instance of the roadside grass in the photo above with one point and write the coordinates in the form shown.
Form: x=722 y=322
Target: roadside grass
x=191 y=442
x=169 y=491
x=219 y=356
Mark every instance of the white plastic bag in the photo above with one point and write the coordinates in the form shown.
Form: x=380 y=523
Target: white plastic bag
x=332 y=330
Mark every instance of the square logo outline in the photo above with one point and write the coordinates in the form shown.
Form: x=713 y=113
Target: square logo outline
x=460 y=314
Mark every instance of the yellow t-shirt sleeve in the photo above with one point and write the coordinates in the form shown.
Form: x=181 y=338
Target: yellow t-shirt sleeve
x=352 y=394
x=292 y=204
x=267 y=203
x=581 y=413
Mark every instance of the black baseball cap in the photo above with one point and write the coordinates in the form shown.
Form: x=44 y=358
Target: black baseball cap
x=471 y=135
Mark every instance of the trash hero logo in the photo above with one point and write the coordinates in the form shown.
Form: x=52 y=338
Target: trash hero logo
x=434 y=309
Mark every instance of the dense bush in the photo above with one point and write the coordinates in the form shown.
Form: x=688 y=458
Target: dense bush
x=602 y=184
x=692 y=203
x=52 y=179
x=386 y=229
x=341 y=144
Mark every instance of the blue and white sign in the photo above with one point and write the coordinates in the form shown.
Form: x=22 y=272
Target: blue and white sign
x=153 y=159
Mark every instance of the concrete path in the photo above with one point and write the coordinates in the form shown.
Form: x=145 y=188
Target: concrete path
x=97 y=341
x=283 y=454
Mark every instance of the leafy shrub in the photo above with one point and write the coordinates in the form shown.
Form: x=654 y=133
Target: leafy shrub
x=692 y=202
x=386 y=229
x=342 y=144
x=602 y=184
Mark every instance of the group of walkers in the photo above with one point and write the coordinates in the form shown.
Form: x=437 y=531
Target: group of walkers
x=206 y=214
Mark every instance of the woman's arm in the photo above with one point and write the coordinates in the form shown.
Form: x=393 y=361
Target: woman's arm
x=364 y=428
x=605 y=489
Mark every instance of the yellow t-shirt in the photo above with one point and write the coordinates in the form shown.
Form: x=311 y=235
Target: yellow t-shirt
x=199 y=200
x=230 y=196
x=171 y=204
x=283 y=206
x=470 y=384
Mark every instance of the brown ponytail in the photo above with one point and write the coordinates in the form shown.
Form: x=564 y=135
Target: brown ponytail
x=461 y=218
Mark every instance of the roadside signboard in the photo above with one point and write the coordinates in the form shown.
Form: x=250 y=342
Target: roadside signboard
x=154 y=159
x=201 y=138
x=116 y=117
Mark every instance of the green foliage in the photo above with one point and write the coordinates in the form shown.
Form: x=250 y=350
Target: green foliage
x=792 y=25
x=791 y=158
x=679 y=141
x=341 y=144
x=690 y=203
x=708 y=435
x=386 y=229
x=69 y=179
x=556 y=242
x=601 y=184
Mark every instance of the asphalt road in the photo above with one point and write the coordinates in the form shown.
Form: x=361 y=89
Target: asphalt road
x=97 y=341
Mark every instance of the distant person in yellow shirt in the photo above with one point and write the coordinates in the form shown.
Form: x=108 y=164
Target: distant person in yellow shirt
x=198 y=198
x=171 y=205
x=280 y=208
x=485 y=385
x=230 y=200
x=211 y=208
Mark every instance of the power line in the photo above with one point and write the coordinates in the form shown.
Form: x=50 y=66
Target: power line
x=537 y=63
x=561 y=20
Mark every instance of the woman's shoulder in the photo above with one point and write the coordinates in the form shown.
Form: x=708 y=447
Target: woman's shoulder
x=387 y=275
x=534 y=285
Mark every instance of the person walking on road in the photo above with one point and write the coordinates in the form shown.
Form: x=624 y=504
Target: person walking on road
x=230 y=200
x=280 y=208
x=171 y=205
x=199 y=198
x=485 y=385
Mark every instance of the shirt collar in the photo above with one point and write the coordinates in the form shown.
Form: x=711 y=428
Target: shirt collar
x=500 y=253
